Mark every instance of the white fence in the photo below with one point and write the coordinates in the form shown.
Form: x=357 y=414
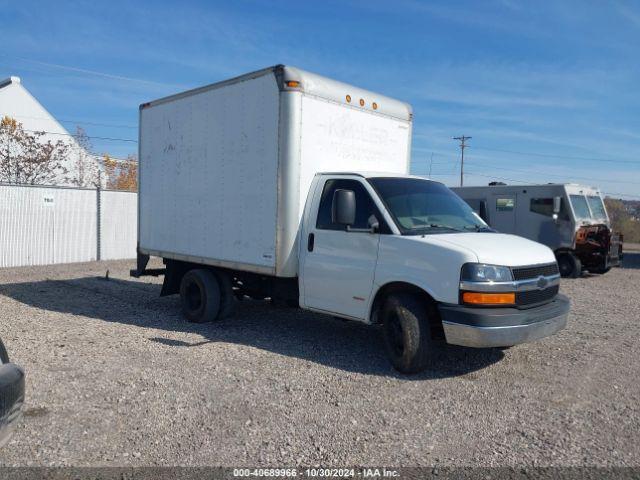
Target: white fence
x=46 y=225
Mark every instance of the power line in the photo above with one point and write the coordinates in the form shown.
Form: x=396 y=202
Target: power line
x=462 y=139
x=567 y=157
x=77 y=122
x=88 y=136
x=622 y=194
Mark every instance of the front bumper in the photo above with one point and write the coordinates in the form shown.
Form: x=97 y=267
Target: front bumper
x=11 y=399
x=502 y=327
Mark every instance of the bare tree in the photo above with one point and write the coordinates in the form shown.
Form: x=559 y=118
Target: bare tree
x=26 y=159
x=85 y=170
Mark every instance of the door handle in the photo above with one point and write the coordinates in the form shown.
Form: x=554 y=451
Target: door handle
x=310 y=242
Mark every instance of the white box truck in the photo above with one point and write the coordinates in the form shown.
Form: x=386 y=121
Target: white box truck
x=261 y=186
x=570 y=219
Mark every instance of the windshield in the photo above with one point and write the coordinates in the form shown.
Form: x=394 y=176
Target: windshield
x=597 y=207
x=421 y=206
x=580 y=206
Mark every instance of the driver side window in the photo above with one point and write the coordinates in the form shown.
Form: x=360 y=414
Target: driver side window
x=364 y=206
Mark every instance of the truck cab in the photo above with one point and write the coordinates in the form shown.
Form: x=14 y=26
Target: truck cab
x=407 y=253
x=591 y=244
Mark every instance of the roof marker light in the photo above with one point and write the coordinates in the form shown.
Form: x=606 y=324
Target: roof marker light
x=348 y=97
x=362 y=102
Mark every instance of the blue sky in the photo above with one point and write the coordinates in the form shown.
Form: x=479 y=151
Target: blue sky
x=547 y=90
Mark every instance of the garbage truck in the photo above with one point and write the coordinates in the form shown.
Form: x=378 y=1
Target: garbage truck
x=286 y=185
x=570 y=219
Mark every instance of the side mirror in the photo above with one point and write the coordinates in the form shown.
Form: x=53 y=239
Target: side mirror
x=343 y=207
x=557 y=204
x=483 y=211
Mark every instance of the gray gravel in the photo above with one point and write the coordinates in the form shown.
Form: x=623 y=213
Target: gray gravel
x=115 y=377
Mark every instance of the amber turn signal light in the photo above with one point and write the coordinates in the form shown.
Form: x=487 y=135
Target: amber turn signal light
x=477 y=298
x=293 y=84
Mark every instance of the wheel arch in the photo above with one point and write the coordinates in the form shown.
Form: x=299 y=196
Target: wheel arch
x=405 y=287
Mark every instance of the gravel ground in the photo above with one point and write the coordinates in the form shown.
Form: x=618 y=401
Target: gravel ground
x=115 y=377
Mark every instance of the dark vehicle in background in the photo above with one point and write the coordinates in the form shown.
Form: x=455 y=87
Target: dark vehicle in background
x=570 y=219
x=11 y=395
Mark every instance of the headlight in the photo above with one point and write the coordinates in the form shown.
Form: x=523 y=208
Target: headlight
x=480 y=272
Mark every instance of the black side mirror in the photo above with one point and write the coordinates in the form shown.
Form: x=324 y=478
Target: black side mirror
x=343 y=207
x=483 y=211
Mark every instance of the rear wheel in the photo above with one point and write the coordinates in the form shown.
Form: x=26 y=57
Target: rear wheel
x=200 y=295
x=228 y=300
x=569 y=265
x=406 y=333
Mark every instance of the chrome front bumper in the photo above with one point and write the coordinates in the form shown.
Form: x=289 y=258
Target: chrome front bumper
x=502 y=327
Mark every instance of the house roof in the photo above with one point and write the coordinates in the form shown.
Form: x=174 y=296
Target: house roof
x=18 y=103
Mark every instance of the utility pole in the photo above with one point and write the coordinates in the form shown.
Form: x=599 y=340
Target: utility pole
x=430 y=164
x=463 y=145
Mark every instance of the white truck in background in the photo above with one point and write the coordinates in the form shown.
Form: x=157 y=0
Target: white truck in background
x=262 y=186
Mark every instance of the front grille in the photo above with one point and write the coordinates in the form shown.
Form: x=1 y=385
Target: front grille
x=524 y=273
x=532 y=297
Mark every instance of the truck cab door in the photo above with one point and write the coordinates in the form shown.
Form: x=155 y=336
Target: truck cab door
x=338 y=263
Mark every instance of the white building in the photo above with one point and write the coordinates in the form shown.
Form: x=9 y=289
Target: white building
x=16 y=102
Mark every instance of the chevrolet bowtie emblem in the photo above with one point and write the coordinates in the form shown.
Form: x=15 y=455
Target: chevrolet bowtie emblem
x=542 y=283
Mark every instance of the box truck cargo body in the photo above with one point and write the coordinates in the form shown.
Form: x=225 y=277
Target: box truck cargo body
x=225 y=169
x=265 y=186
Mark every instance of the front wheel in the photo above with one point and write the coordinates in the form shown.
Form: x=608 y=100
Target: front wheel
x=406 y=333
x=569 y=265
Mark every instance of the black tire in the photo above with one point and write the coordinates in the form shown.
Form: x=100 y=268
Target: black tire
x=569 y=265
x=200 y=296
x=228 y=298
x=406 y=332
